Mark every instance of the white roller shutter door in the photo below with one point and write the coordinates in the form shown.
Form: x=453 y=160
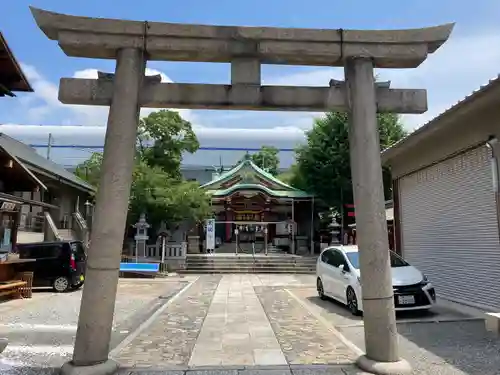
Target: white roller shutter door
x=449 y=227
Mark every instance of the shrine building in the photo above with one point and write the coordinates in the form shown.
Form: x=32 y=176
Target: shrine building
x=253 y=208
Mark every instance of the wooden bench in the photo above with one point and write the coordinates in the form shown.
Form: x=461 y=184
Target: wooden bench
x=12 y=287
x=492 y=323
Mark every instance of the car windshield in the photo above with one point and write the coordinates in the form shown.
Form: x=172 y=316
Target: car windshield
x=396 y=260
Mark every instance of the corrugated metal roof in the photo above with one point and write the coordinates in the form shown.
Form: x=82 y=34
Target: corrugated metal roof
x=430 y=124
x=33 y=160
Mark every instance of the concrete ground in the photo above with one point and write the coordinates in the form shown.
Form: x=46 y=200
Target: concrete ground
x=241 y=324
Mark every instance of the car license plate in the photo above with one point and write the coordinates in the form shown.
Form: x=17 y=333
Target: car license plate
x=82 y=278
x=406 y=300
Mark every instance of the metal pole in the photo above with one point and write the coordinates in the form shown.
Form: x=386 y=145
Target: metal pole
x=49 y=146
x=163 y=246
x=265 y=237
x=341 y=216
x=293 y=226
x=312 y=226
x=237 y=232
x=492 y=145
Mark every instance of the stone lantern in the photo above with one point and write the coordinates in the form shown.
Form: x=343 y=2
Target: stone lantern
x=141 y=236
x=336 y=230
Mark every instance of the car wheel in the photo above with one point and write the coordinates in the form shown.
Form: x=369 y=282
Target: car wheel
x=319 y=288
x=61 y=284
x=352 y=302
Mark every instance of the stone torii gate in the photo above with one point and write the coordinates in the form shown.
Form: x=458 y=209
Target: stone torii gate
x=132 y=43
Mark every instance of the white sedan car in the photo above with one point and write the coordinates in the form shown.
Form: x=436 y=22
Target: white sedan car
x=338 y=277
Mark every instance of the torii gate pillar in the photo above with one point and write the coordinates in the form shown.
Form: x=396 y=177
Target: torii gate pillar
x=99 y=295
x=246 y=48
x=368 y=189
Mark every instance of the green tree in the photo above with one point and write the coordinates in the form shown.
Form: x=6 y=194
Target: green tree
x=267 y=158
x=293 y=177
x=163 y=198
x=323 y=163
x=158 y=189
x=163 y=137
x=90 y=169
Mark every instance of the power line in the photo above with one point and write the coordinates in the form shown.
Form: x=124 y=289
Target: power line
x=92 y=147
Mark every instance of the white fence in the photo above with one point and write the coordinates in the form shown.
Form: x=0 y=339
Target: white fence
x=172 y=251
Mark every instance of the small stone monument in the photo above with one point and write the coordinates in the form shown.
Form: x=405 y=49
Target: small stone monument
x=141 y=236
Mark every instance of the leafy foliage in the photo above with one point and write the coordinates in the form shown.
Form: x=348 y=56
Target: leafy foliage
x=90 y=169
x=323 y=164
x=267 y=158
x=164 y=198
x=158 y=189
x=163 y=137
x=293 y=177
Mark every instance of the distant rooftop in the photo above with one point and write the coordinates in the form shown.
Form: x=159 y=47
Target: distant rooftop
x=37 y=163
x=12 y=77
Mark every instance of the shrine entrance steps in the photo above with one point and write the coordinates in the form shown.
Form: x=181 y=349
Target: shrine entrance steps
x=246 y=248
x=249 y=263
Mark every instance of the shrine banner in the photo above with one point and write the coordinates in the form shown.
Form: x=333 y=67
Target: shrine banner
x=210 y=236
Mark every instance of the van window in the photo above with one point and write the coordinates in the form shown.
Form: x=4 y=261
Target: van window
x=41 y=251
x=24 y=252
x=78 y=251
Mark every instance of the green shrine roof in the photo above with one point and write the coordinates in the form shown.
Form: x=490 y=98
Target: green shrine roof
x=248 y=176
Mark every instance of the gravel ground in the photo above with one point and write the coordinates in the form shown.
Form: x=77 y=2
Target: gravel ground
x=41 y=330
x=63 y=309
x=303 y=339
x=339 y=316
x=440 y=342
x=449 y=348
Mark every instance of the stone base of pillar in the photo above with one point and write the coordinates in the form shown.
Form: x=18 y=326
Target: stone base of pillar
x=106 y=368
x=401 y=367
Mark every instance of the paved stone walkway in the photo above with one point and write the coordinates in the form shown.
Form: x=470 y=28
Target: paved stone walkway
x=249 y=370
x=236 y=330
x=223 y=321
x=169 y=340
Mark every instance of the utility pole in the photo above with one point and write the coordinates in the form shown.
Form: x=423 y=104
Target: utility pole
x=342 y=216
x=49 y=146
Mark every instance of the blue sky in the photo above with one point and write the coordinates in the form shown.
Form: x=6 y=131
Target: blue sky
x=468 y=60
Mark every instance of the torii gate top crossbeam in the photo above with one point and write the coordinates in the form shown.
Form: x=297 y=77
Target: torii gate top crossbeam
x=102 y=38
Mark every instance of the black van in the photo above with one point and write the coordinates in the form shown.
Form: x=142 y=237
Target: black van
x=58 y=264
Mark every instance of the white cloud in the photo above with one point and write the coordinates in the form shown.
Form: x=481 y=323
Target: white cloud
x=47 y=93
x=95 y=134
